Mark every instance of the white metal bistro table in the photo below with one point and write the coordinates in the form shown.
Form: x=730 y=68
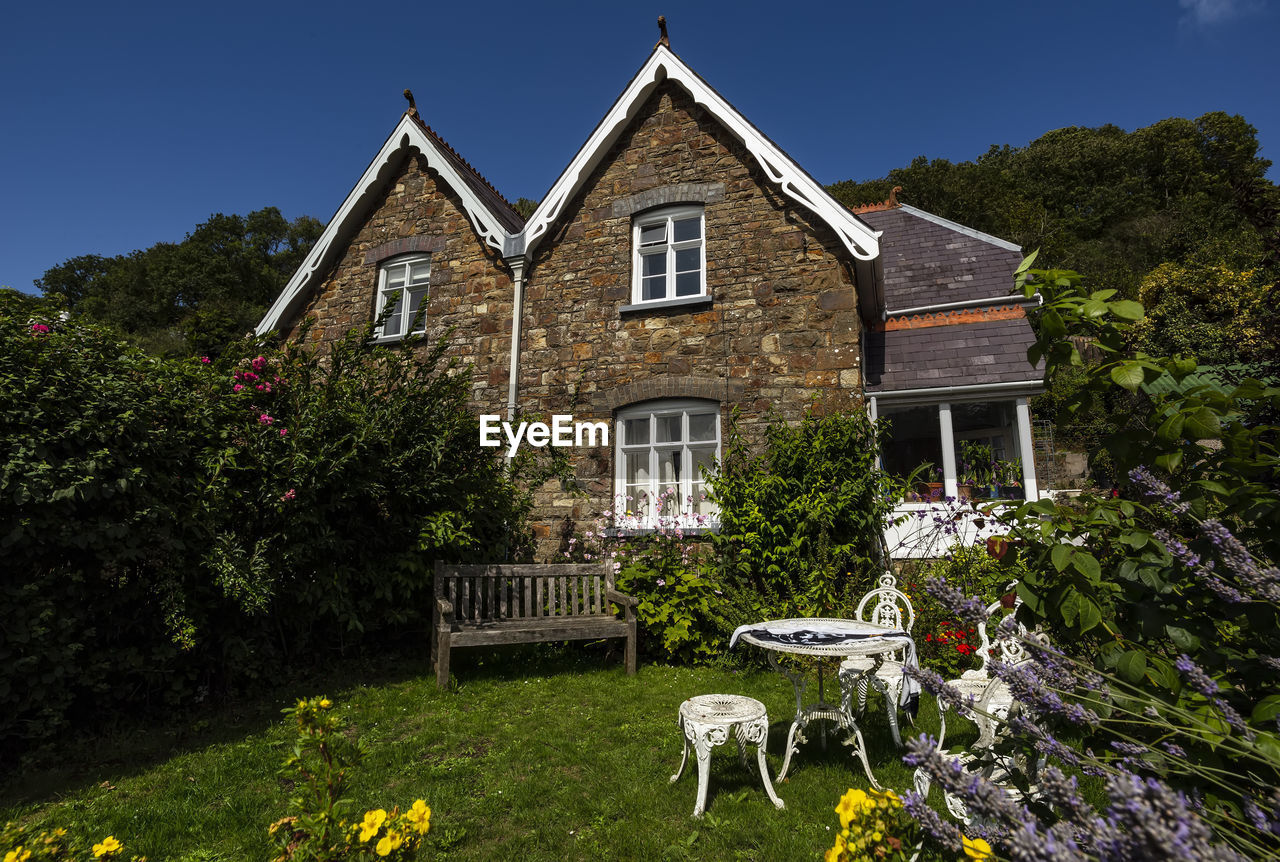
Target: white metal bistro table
x=830 y=639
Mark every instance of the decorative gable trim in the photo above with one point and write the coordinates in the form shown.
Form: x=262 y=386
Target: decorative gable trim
x=681 y=193
x=959 y=228
x=408 y=138
x=858 y=237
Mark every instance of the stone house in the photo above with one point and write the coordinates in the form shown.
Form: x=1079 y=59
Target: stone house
x=682 y=265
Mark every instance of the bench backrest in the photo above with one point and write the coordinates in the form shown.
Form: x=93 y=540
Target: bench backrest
x=502 y=592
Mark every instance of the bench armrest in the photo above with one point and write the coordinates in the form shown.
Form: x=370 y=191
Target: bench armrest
x=628 y=603
x=445 y=607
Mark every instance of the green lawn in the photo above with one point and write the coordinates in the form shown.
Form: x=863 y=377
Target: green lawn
x=538 y=754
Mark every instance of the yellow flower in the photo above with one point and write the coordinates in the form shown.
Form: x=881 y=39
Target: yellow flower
x=108 y=846
x=975 y=848
x=835 y=853
x=373 y=821
x=325 y=703
x=876 y=836
x=17 y=854
x=850 y=806
x=419 y=817
x=390 y=841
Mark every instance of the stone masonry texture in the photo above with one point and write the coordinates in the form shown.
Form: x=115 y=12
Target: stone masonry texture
x=471 y=289
x=781 y=324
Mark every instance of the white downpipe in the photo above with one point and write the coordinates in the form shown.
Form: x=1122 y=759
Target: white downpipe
x=517 y=313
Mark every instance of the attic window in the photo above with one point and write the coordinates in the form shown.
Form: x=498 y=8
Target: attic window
x=402 y=288
x=670 y=255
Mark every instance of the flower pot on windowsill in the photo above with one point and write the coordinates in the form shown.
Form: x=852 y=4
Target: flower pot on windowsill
x=930 y=492
x=967 y=492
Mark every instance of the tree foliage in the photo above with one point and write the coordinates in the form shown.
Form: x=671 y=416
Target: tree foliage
x=192 y=297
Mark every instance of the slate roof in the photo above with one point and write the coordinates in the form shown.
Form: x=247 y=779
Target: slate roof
x=483 y=189
x=929 y=260
x=967 y=354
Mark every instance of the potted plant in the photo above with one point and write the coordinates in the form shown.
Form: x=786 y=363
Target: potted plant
x=975 y=470
x=930 y=488
x=1008 y=477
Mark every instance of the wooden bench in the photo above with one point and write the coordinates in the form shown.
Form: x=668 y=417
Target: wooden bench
x=509 y=604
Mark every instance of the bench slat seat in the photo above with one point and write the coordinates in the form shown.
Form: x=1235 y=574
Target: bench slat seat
x=509 y=604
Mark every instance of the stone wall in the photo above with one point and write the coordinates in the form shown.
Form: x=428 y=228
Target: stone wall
x=470 y=286
x=781 y=324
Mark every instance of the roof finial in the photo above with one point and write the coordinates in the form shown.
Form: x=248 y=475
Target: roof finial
x=413 y=107
x=663 y=40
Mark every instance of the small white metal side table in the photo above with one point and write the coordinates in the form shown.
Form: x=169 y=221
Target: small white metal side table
x=706 y=721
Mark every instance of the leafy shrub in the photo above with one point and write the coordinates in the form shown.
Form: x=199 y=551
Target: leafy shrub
x=801 y=523
x=171 y=527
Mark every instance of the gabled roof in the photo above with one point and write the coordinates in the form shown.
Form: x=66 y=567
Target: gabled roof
x=930 y=260
x=490 y=214
x=663 y=65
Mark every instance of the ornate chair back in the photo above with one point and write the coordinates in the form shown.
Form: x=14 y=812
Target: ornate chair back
x=886 y=605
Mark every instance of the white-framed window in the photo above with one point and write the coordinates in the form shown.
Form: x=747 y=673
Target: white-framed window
x=670 y=260
x=665 y=449
x=974 y=449
x=402 y=287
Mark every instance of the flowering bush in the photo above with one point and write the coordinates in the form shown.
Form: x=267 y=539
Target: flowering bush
x=20 y=844
x=178 y=527
x=1165 y=599
x=679 y=601
x=322 y=760
x=873 y=826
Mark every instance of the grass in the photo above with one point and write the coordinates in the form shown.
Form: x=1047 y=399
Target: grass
x=536 y=754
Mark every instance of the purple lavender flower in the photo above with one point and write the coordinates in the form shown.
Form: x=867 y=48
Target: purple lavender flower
x=968 y=609
x=1195 y=677
x=1155 y=489
x=942 y=831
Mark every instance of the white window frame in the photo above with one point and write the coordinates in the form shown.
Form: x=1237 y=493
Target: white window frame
x=628 y=514
x=667 y=215
x=386 y=270
x=949 y=438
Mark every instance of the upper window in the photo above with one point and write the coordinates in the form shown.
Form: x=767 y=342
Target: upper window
x=665 y=451
x=670 y=255
x=402 y=287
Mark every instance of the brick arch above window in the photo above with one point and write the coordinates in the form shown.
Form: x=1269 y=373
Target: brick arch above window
x=680 y=193
x=709 y=388
x=404 y=245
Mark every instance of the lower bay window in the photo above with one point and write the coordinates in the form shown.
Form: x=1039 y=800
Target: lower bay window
x=664 y=451
x=968 y=449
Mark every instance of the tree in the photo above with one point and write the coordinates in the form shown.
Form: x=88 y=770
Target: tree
x=192 y=297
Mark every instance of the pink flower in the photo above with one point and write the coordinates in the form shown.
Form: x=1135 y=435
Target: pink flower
x=284 y=432
x=39 y=328
x=264 y=419
x=258 y=387
x=204 y=359
x=237 y=387
x=288 y=495
x=662 y=582
x=258 y=363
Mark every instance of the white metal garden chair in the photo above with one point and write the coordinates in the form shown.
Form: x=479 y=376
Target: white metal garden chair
x=887 y=606
x=993 y=702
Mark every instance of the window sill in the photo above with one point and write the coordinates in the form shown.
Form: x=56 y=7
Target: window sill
x=662 y=304
x=635 y=532
x=396 y=339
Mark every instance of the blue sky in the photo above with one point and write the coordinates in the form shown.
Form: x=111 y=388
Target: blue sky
x=127 y=124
